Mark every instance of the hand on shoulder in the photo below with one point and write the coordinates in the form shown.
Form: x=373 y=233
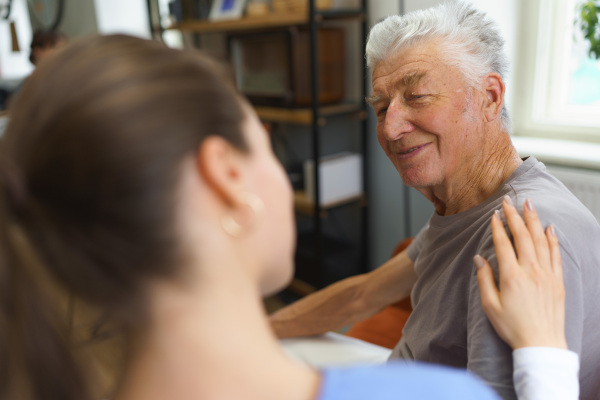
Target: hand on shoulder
x=528 y=308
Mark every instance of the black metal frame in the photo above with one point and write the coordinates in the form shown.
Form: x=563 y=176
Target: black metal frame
x=364 y=131
x=316 y=135
x=316 y=145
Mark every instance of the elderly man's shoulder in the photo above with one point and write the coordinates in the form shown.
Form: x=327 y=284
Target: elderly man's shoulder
x=556 y=205
x=551 y=197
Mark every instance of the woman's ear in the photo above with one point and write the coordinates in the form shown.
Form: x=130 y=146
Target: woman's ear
x=221 y=165
x=494 y=90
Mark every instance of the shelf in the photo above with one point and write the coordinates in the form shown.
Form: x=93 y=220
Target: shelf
x=305 y=205
x=267 y=21
x=300 y=287
x=262 y=22
x=341 y=14
x=326 y=251
x=304 y=116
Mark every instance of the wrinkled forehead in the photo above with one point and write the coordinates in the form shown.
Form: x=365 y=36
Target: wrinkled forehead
x=431 y=49
x=411 y=65
x=408 y=66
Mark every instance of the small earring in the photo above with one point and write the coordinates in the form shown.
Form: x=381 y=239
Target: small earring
x=251 y=208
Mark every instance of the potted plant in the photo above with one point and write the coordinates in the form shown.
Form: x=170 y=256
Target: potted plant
x=588 y=22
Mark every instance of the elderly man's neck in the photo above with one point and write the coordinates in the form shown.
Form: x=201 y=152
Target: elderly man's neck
x=480 y=180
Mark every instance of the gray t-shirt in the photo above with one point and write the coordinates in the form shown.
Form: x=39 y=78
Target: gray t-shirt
x=448 y=325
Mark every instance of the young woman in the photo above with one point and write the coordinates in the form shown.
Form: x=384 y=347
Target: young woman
x=136 y=178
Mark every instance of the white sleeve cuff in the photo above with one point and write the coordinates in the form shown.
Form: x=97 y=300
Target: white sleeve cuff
x=546 y=373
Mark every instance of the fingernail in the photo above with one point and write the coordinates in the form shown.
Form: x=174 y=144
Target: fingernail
x=552 y=230
x=508 y=201
x=497 y=216
x=478 y=261
x=529 y=205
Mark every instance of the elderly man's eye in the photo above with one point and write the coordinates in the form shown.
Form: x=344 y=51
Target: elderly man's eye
x=381 y=111
x=415 y=97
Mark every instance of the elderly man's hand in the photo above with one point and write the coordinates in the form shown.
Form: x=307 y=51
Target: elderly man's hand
x=529 y=308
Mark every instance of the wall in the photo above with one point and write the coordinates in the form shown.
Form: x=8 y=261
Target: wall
x=15 y=65
x=123 y=16
x=88 y=17
x=79 y=19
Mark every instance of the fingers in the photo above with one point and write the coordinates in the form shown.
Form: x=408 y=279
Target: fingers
x=490 y=296
x=536 y=231
x=555 y=260
x=504 y=248
x=535 y=248
x=522 y=238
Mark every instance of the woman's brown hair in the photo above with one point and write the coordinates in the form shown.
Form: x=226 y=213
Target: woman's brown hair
x=89 y=167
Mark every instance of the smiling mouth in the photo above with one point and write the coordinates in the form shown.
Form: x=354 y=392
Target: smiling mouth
x=411 y=150
x=409 y=153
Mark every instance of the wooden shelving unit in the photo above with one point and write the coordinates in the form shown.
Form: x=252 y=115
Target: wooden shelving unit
x=305 y=205
x=267 y=21
x=272 y=20
x=304 y=116
x=317 y=249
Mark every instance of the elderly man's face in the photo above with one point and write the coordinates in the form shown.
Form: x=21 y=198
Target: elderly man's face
x=428 y=121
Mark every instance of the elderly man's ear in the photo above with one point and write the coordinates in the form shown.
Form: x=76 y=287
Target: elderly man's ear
x=494 y=99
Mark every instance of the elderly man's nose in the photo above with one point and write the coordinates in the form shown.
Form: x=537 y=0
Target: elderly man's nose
x=397 y=123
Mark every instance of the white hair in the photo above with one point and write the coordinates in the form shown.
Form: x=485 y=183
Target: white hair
x=471 y=41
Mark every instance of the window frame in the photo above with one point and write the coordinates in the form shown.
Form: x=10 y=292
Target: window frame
x=542 y=51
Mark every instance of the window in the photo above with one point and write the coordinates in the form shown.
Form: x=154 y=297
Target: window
x=561 y=87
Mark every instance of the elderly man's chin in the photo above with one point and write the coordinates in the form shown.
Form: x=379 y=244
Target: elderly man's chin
x=415 y=177
x=413 y=172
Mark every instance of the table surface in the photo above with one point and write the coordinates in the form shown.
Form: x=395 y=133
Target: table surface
x=333 y=349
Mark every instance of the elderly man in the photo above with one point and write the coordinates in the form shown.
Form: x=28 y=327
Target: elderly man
x=438 y=93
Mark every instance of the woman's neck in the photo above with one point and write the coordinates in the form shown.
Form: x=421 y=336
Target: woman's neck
x=213 y=342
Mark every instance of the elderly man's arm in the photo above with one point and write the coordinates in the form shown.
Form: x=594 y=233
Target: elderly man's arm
x=348 y=301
